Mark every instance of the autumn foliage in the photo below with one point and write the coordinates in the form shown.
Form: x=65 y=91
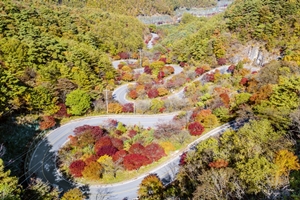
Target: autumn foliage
x=154 y=152
x=152 y=93
x=128 y=108
x=218 y=164
x=136 y=148
x=93 y=171
x=133 y=94
x=47 y=122
x=199 y=71
x=106 y=150
x=195 y=128
x=119 y=156
x=135 y=161
x=104 y=141
x=95 y=131
x=182 y=160
x=76 y=168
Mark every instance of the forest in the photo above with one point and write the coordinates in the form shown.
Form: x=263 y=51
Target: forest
x=138 y=7
x=55 y=64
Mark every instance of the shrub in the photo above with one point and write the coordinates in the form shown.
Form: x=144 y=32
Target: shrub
x=62 y=112
x=199 y=71
x=147 y=70
x=91 y=159
x=244 y=81
x=231 y=69
x=152 y=93
x=182 y=160
x=221 y=61
x=115 y=108
x=132 y=133
x=210 y=77
x=128 y=108
x=133 y=94
x=123 y=55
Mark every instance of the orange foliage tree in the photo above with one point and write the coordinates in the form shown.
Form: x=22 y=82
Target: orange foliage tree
x=48 y=122
x=162 y=91
x=93 y=171
x=115 y=108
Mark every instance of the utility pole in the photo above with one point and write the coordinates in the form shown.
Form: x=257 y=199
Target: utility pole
x=140 y=50
x=106 y=100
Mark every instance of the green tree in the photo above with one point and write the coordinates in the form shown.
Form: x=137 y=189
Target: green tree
x=78 y=102
x=256 y=173
x=41 y=191
x=156 y=105
x=42 y=99
x=11 y=92
x=9 y=188
x=286 y=94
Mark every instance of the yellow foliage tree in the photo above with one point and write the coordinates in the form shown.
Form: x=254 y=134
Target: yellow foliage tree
x=140 y=88
x=93 y=171
x=168 y=146
x=151 y=187
x=107 y=163
x=126 y=68
x=162 y=91
x=285 y=162
x=73 y=194
x=115 y=108
x=210 y=121
x=127 y=77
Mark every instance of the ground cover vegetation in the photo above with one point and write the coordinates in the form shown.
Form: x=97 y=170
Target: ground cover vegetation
x=54 y=63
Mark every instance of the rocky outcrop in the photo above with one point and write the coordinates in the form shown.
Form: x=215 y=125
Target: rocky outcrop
x=254 y=54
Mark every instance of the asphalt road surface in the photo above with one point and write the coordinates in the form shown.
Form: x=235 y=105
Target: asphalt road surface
x=42 y=163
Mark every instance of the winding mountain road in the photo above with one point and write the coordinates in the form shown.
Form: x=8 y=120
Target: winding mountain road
x=42 y=163
x=120 y=93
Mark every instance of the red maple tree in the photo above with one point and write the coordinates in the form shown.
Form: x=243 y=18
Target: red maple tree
x=152 y=93
x=118 y=157
x=136 y=148
x=76 y=168
x=106 y=150
x=104 y=141
x=154 y=152
x=135 y=161
x=195 y=128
